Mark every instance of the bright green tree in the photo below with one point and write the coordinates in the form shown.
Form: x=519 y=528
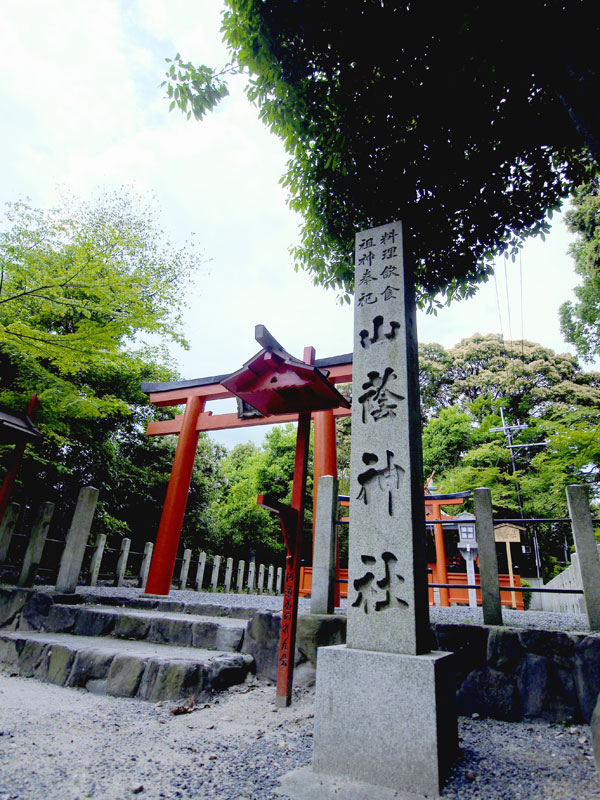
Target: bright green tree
x=79 y=289
x=249 y=470
x=580 y=321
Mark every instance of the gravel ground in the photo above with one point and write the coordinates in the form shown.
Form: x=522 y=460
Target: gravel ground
x=66 y=744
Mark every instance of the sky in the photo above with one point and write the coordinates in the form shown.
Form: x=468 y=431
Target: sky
x=81 y=109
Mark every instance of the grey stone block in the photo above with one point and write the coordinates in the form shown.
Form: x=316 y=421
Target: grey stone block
x=467 y=642
x=547 y=692
x=319 y=630
x=59 y=665
x=547 y=643
x=130 y=627
x=11 y=603
x=35 y=611
x=169 y=680
x=90 y=622
x=171 y=605
x=595 y=730
x=261 y=641
x=384 y=718
x=226 y=671
x=89 y=665
x=491 y=694
x=9 y=655
x=61 y=619
x=504 y=650
x=124 y=676
x=173 y=631
x=204 y=634
x=229 y=639
x=587 y=675
x=31 y=656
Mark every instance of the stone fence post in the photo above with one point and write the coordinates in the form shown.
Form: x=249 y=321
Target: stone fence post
x=214 y=580
x=488 y=559
x=323 y=571
x=7 y=528
x=240 y=576
x=97 y=559
x=122 y=562
x=200 y=571
x=185 y=568
x=587 y=552
x=145 y=568
x=37 y=540
x=228 y=575
x=72 y=557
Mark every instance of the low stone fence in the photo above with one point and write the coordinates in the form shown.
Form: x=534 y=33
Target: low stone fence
x=570 y=578
x=24 y=558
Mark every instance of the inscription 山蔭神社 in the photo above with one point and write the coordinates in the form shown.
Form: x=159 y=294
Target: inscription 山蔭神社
x=385 y=600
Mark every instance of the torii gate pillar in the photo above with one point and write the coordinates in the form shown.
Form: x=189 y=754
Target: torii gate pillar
x=169 y=530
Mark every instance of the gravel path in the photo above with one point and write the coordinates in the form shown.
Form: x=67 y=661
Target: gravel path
x=66 y=744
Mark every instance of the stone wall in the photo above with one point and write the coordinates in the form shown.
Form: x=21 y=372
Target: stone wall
x=504 y=673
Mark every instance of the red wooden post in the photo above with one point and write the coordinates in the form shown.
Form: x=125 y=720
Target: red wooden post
x=287 y=640
x=325 y=463
x=12 y=472
x=169 y=530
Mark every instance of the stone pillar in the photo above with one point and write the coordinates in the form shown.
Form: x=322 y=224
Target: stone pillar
x=240 y=576
x=145 y=568
x=122 y=562
x=214 y=580
x=270 y=579
x=7 y=528
x=72 y=557
x=587 y=551
x=97 y=558
x=185 y=568
x=488 y=559
x=251 y=577
x=323 y=571
x=228 y=574
x=37 y=540
x=261 y=579
x=279 y=581
x=200 y=571
x=384 y=707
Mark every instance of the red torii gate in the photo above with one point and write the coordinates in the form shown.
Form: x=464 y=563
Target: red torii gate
x=195 y=394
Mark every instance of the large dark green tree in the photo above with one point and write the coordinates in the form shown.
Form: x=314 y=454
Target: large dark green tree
x=470 y=122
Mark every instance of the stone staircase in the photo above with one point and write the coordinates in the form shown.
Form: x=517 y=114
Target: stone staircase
x=145 y=648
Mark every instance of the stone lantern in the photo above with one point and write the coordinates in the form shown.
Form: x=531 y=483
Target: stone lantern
x=467 y=544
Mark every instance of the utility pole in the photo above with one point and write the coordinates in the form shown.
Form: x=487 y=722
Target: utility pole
x=508 y=431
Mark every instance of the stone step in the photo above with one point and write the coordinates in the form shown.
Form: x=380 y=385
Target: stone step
x=168 y=605
x=150 y=625
x=119 y=667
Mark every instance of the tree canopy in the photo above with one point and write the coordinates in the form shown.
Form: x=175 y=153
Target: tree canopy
x=79 y=286
x=469 y=122
x=580 y=321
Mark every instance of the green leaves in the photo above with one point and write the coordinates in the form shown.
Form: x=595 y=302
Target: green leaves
x=195 y=90
x=580 y=321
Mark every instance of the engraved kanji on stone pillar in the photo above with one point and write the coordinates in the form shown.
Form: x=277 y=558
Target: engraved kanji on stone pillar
x=387 y=589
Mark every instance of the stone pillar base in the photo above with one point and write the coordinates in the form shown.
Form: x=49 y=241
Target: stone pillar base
x=385 y=719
